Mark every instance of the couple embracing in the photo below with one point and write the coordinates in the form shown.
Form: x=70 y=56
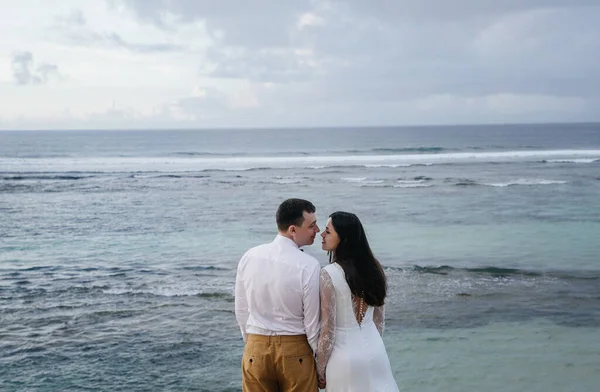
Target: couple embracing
x=305 y=327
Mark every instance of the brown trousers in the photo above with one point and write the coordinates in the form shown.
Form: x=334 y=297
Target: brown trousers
x=278 y=364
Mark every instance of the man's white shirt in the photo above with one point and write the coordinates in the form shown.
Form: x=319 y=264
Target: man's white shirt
x=277 y=291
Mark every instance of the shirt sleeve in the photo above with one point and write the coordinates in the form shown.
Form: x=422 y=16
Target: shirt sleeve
x=241 y=303
x=379 y=318
x=311 y=308
x=328 y=312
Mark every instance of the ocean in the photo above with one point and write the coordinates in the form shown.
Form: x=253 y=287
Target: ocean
x=118 y=250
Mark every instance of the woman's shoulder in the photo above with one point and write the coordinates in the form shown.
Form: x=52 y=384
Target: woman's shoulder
x=332 y=268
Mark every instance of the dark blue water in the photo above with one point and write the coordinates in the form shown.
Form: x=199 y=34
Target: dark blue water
x=310 y=141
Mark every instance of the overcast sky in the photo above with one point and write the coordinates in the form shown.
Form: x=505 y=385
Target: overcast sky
x=267 y=63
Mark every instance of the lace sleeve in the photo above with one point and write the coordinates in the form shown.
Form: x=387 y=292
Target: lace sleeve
x=327 y=336
x=379 y=318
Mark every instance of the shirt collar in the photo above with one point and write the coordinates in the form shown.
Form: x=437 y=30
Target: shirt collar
x=286 y=241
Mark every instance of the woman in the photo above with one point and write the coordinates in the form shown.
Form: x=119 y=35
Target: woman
x=351 y=355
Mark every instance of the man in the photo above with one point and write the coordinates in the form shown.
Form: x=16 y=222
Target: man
x=277 y=305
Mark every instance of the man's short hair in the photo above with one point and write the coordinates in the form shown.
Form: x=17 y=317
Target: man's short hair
x=291 y=212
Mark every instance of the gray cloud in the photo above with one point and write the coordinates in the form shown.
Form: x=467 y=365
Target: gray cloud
x=269 y=65
x=74 y=18
x=387 y=53
x=534 y=52
x=457 y=10
x=115 y=40
x=21 y=67
x=45 y=71
x=73 y=29
x=24 y=71
x=252 y=24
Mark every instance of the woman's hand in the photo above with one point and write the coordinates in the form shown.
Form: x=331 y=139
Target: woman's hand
x=322 y=382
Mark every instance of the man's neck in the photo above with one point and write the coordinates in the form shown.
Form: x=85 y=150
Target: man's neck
x=286 y=235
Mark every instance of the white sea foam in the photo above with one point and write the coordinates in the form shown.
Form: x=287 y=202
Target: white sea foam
x=413 y=185
x=392 y=166
x=159 y=291
x=375 y=185
x=576 y=160
x=198 y=163
x=184 y=290
x=354 y=179
x=362 y=180
x=286 y=180
x=410 y=182
x=526 y=181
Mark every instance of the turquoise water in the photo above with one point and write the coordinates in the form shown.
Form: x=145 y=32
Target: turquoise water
x=118 y=251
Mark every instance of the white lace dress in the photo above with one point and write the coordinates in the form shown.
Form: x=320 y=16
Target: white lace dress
x=351 y=355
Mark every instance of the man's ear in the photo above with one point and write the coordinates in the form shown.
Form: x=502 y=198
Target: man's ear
x=292 y=230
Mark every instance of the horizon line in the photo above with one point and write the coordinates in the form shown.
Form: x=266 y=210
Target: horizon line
x=291 y=128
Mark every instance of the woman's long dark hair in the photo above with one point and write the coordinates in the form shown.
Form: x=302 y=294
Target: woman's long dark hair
x=364 y=273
